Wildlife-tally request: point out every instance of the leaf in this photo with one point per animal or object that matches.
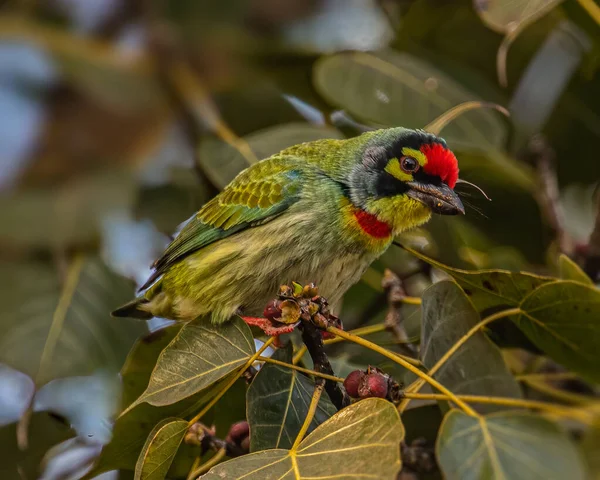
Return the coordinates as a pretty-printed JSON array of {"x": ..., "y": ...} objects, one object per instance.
[
  {"x": 436, "y": 126},
  {"x": 222, "y": 162},
  {"x": 590, "y": 446},
  {"x": 569, "y": 270},
  {"x": 563, "y": 319},
  {"x": 277, "y": 404},
  {"x": 507, "y": 445},
  {"x": 490, "y": 288},
  {"x": 391, "y": 88},
  {"x": 45, "y": 432},
  {"x": 160, "y": 449},
  {"x": 503, "y": 16},
  {"x": 345, "y": 446},
  {"x": 68, "y": 214},
  {"x": 201, "y": 354},
  {"x": 131, "y": 429},
  {"x": 125, "y": 82},
  {"x": 477, "y": 368},
  {"x": 52, "y": 331}
]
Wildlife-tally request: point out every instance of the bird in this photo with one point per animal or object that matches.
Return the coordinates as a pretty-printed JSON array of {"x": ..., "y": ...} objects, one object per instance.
[{"x": 317, "y": 213}]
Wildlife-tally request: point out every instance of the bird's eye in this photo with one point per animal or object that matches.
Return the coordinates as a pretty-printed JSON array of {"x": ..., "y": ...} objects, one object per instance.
[{"x": 409, "y": 164}]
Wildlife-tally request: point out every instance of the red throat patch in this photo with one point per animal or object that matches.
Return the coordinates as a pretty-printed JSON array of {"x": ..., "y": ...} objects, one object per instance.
[
  {"x": 371, "y": 225},
  {"x": 441, "y": 162}
]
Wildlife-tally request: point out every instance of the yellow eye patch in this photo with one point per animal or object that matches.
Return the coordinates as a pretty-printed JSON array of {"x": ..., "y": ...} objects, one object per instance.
[
  {"x": 393, "y": 166},
  {"x": 394, "y": 169},
  {"x": 416, "y": 154}
]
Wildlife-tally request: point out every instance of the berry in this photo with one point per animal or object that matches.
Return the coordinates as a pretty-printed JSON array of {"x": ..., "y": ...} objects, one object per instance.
[
  {"x": 245, "y": 445},
  {"x": 352, "y": 382},
  {"x": 273, "y": 310},
  {"x": 238, "y": 432},
  {"x": 374, "y": 384}
]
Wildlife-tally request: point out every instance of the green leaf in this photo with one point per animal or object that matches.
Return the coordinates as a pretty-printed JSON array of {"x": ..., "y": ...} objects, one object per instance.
[
  {"x": 590, "y": 446},
  {"x": 45, "y": 431},
  {"x": 507, "y": 445},
  {"x": 490, "y": 288},
  {"x": 392, "y": 88},
  {"x": 345, "y": 446},
  {"x": 277, "y": 404},
  {"x": 569, "y": 270},
  {"x": 132, "y": 428},
  {"x": 504, "y": 15},
  {"x": 124, "y": 82},
  {"x": 563, "y": 319},
  {"x": 222, "y": 162},
  {"x": 201, "y": 354},
  {"x": 160, "y": 449},
  {"x": 62, "y": 215},
  {"x": 51, "y": 330},
  {"x": 477, "y": 368}
]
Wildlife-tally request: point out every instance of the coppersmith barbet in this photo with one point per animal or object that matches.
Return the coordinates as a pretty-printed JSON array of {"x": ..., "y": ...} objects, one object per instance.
[{"x": 317, "y": 212}]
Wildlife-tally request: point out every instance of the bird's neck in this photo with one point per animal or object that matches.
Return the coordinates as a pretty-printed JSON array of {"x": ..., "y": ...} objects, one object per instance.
[
  {"x": 371, "y": 225},
  {"x": 363, "y": 228}
]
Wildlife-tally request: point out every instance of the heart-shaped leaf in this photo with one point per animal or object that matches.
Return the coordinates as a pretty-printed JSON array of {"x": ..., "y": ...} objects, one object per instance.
[
  {"x": 277, "y": 404},
  {"x": 131, "y": 429},
  {"x": 569, "y": 270},
  {"x": 201, "y": 354},
  {"x": 507, "y": 445},
  {"x": 503, "y": 16},
  {"x": 563, "y": 319},
  {"x": 477, "y": 367},
  {"x": 490, "y": 288},
  {"x": 160, "y": 449},
  {"x": 391, "y": 89},
  {"x": 345, "y": 446},
  {"x": 52, "y": 330},
  {"x": 222, "y": 162}
]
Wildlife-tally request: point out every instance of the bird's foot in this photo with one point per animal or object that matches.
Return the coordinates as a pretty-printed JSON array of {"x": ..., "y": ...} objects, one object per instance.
[{"x": 270, "y": 328}]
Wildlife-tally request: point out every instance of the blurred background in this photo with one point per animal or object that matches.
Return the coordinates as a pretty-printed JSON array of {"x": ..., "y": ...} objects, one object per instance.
[{"x": 120, "y": 118}]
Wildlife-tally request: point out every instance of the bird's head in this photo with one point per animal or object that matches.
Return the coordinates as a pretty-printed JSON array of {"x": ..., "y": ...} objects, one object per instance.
[{"x": 402, "y": 176}]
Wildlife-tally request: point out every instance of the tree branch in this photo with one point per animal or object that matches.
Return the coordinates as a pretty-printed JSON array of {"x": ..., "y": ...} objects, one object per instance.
[{"x": 313, "y": 340}]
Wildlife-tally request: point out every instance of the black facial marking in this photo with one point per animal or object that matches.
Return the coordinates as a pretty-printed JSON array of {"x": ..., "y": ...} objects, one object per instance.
[{"x": 376, "y": 158}]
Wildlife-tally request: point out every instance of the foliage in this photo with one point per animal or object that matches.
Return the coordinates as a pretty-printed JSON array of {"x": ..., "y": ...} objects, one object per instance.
[{"x": 121, "y": 122}]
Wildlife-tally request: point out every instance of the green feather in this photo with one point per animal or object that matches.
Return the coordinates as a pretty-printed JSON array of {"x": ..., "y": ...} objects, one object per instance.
[{"x": 256, "y": 195}]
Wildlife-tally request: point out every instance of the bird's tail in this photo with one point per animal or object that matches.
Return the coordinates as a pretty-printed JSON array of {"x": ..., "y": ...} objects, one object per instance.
[{"x": 133, "y": 309}]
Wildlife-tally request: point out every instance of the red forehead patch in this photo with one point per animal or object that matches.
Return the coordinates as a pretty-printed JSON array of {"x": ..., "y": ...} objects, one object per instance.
[{"x": 441, "y": 162}]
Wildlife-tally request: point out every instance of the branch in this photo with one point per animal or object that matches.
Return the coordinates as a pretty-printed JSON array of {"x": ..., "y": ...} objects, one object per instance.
[
  {"x": 313, "y": 340},
  {"x": 395, "y": 292},
  {"x": 591, "y": 265},
  {"x": 543, "y": 157}
]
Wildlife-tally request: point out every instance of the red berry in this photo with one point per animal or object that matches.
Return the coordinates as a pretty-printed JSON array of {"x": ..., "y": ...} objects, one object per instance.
[
  {"x": 373, "y": 385},
  {"x": 238, "y": 432},
  {"x": 245, "y": 445},
  {"x": 353, "y": 381},
  {"x": 273, "y": 310}
]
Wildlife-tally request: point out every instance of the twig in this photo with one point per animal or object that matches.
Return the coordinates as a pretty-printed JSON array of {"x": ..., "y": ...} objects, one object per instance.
[
  {"x": 205, "y": 467},
  {"x": 578, "y": 414},
  {"x": 543, "y": 157},
  {"x": 400, "y": 361},
  {"x": 395, "y": 292},
  {"x": 591, "y": 265},
  {"x": 359, "y": 332},
  {"x": 313, "y": 340},
  {"x": 333, "y": 378}
]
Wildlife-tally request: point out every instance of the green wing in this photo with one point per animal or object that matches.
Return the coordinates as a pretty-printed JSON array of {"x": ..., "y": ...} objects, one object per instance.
[{"x": 255, "y": 196}]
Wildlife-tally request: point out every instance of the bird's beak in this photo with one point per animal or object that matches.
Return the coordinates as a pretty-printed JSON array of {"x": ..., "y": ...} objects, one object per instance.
[{"x": 441, "y": 199}]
